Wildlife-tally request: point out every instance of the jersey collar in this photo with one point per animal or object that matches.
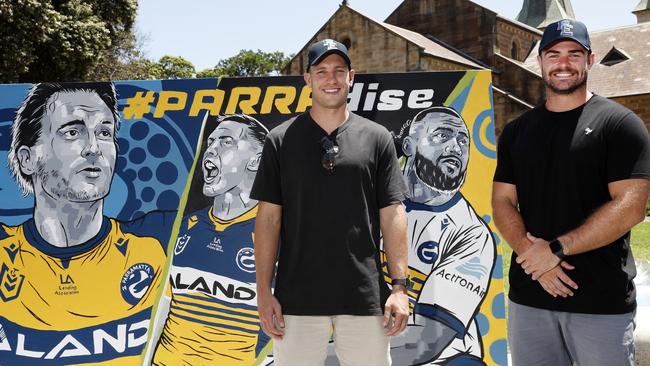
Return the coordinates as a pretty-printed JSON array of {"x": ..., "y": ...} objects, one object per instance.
[
  {"x": 35, "y": 239},
  {"x": 410, "y": 205}
]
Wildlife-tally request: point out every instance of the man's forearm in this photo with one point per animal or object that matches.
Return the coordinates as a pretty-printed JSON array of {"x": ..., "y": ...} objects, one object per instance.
[
  {"x": 393, "y": 229},
  {"x": 266, "y": 242},
  {"x": 265, "y": 266},
  {"x": 392, "y": 221},
  {"x": 609, "y": 222},
  {"x": 510, "y": 224}
]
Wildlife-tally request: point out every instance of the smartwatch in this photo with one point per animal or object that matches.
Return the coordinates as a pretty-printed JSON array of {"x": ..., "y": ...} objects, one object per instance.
[
  {"x": 556, "y": 248},
  {"x": 406, "y": 282}
]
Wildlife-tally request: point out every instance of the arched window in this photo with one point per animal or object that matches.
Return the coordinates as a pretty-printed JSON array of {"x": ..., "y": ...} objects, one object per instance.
[
  {"x": 347, "y": 42},
  {"x": 514, "y": 51}
]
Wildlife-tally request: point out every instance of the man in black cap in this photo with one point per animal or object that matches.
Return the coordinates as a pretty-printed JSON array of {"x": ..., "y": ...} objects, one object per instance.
[
  {"x": 328, "y": 183},
  {"x": 572, "y": 179}
]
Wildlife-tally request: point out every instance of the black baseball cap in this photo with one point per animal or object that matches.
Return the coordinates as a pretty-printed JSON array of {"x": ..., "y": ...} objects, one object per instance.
[
  {"x": 321, "y": 49},
  {"x": 565, "y": 29}
]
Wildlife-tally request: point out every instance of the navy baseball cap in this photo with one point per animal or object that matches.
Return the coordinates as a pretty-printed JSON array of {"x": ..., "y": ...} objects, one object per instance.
[
  {"x": 321, "y": 49},
  {"x": 565, "y": 29}
]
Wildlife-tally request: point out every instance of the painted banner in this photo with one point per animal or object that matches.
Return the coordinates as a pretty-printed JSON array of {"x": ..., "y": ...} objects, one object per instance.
[
  {"x": 90, "y": 189},
  {"x": 127, "y": 224}
]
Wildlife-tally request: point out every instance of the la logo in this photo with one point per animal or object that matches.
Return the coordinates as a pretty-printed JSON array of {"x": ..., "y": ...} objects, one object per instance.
[{"x": 67, "y": 280}]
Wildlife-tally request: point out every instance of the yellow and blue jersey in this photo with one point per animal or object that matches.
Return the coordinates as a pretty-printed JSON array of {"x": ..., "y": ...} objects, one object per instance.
[
  {"x": 213, "y": 315},
  {"x": 85, "y": 304}
]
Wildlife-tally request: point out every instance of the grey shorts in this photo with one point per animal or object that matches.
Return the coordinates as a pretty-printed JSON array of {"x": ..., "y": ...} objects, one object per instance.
[{"x": 540, "y": 337}]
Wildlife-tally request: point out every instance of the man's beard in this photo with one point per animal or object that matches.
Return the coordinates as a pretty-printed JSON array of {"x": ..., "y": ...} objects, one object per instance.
[
  {"x": 60, "y": 186},
  {"x": 434, "y": 177},
  {"x": 579, "y": 83}
]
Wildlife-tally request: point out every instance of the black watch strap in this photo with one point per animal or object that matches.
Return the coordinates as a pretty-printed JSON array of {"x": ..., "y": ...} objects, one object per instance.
[
  {"x": 401, "y": 281},
  {"x": 557, "y": 249}
]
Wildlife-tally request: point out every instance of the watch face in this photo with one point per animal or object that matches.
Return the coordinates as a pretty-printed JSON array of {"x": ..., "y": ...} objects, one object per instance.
[{"x": 556, "y": 248}]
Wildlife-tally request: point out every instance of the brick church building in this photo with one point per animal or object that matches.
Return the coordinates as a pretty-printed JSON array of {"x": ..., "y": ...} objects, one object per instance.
[{"x": 436, "y": 35}]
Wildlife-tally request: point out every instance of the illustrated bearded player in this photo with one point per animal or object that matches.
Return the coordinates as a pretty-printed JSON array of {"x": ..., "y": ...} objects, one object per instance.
[
  {"x": 212, "y": 297},
  {"x": 77, "y": 286},
  {"x": 451, "y": 252}
]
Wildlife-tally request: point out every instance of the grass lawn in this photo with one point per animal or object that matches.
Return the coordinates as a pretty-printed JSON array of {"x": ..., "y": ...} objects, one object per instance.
[
  {"x": 640, "y": 248},
  {"x": 641, "y": 241}
]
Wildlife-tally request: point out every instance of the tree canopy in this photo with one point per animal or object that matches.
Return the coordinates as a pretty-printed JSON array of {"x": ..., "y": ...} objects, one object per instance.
[
  {"x": 61, "y": 40},
  {"x": 249, "y": 63},
  {"x": 172, "y": 67},
  {"x": 73, "y": 40}
]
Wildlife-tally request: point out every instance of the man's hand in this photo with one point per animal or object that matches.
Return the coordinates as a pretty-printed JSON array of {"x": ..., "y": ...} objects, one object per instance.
[
  {"x": 396, "y": 311},
  {"x": 270, "y": 315},
  {"x": 537, "y": 259},
  {"x": 556, "y": 282}
]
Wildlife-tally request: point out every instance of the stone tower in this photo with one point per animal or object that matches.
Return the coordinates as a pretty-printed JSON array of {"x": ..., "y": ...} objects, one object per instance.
[
  {"x": 642, "y": 12},
  {"x": 540, "y": 13}
]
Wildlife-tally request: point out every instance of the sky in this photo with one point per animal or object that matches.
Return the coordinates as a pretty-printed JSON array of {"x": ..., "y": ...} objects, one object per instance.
[{"x": 206, "y": 31}]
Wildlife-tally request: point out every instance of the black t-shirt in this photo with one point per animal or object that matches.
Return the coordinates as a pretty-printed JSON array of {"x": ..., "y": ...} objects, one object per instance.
[
  {"x": 329, "y": 253},
  {"x": 561, "y": 164}
]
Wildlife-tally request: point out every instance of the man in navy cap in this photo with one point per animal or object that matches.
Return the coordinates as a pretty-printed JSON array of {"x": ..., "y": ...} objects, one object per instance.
[
  {"x": 328, "y": 183},
  {"x": 572, "y": 179}
]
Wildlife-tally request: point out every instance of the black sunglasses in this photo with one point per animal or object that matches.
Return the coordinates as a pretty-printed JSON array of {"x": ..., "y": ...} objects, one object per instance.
[{"x": 329, "y": 158}]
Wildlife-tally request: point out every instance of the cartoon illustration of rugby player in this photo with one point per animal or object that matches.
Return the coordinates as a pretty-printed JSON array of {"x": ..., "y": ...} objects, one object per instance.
[
  {"x": 77, "y": 286},
  {"x": 451, "y": 252},
  {"x": 210, "y": 308}
]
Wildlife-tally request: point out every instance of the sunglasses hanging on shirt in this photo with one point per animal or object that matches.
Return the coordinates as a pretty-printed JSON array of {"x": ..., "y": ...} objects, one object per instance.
[{"x": 329, "y": 157}]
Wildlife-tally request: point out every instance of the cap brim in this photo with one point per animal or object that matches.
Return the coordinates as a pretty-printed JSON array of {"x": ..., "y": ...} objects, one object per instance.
[
  {"x": 329, "y": 52},
  {"x": 550, "y": 44}
]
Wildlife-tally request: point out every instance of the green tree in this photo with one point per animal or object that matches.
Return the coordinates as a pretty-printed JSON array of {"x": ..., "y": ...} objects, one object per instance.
[
  {"x": 125, "y": 61},
  {"x": 249, "y": 63},
  {"x": 208, "y": 73},
  {"x": 60, "y": 40},
  {"x": 172, "y": 67}
]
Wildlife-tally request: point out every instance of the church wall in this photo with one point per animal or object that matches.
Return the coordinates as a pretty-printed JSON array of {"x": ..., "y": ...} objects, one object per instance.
[
  {"x": 373, "y": 48},
  {"x": 508, "y": 33},
  {"x": 505, "y": 110},
  {"x": 640, "y": 104},
  {"x": 518, "y": 81},
  {"x": 463, "y": 24},
  {"x": 430, "y": 63}
]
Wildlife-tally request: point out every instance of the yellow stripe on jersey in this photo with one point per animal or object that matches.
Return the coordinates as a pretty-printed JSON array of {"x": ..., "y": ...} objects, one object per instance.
[
  {"x": 221, "y": 225},
  {"x": 210, "y": 314},
  {"x": 196, "y": 316},
  {"x": 199, "y": 331},
  {"x": 209, "y": 302}
]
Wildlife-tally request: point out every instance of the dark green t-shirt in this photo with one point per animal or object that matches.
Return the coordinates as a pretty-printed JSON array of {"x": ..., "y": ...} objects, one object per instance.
[{"x": 328, "y": 261}]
